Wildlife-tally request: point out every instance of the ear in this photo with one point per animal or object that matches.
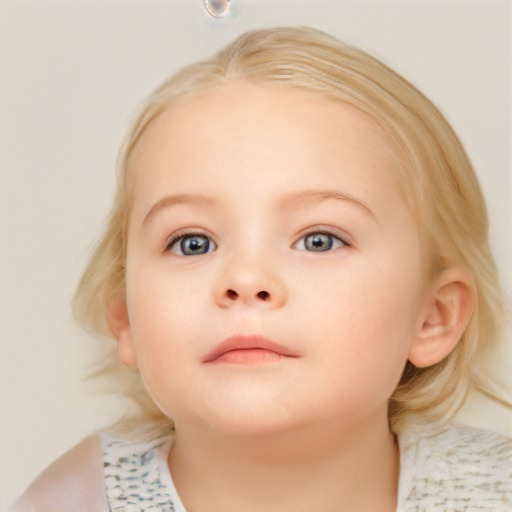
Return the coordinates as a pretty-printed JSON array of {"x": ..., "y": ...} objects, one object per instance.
[
  {"x": 119, "y": 324},
  {"x": 447, "y": 310}
]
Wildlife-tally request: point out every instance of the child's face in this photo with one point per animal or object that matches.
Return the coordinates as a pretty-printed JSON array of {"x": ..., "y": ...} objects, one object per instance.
[{"x": 272, "y": 219}]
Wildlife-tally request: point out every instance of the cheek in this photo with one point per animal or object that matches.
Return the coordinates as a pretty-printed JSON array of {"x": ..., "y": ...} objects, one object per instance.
[
  {"x": 363, "y": 296},
  {"x": 161, "y": 341},
  {"x": 367, "y": 318},
  {"x": 153, "y": 309},
  {"x": 155, "y": 299}
]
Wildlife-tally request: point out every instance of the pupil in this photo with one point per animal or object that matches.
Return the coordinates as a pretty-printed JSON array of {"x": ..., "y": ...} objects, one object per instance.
[
  {"x": 319, "y": 242},
  {"x": 194, "y": 245}
]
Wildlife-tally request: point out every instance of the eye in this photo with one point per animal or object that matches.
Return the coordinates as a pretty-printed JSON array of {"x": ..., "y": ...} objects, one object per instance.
[
  {"x": 319, "y": 242},
  {"x": 191, "y": 245}
]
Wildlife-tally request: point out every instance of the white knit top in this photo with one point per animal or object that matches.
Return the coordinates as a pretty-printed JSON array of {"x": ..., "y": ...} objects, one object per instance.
[{"x": 453, "y": 469}]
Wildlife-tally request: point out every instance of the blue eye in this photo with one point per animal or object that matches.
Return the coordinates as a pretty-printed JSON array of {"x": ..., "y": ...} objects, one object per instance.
[
  {"x": 319, "y": 242},
  {"x": 191, "y": 245}
]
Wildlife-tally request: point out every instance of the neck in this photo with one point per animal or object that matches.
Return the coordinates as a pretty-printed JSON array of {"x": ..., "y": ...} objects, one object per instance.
[{"x": 317, "y": 468}]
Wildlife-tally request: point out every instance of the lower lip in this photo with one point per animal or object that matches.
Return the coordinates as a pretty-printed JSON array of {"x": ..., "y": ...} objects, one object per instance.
[{"x": 249, "y": 356}]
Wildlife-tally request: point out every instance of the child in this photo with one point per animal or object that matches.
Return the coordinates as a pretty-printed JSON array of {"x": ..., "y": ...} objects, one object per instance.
[{"x": 296, "y": 272}]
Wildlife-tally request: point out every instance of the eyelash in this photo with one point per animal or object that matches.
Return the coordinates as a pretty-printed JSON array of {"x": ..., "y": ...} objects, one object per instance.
[
  {"x": 180, "y": 236},
  {"x": 333, "y": 234}
]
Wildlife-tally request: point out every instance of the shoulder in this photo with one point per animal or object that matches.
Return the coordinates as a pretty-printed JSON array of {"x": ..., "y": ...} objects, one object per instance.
[
  {"x": 136, "y": 470},
  {"x": 469, "y": 449},
  {"x": 72, "y": 483},
  {"x": 458, "y": 464}
]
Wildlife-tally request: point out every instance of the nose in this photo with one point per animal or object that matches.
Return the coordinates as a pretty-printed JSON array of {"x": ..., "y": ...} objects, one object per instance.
[{"x": 251, "y": 284}]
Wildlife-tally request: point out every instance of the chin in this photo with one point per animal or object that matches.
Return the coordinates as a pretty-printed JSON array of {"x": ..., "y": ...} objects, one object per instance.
[
  {"x": 251, "y": 421},
  {"x": 252, "y": 430}
]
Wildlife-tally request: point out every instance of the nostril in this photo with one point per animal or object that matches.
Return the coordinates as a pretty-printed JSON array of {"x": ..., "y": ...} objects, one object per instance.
[
  {"x": 232, "y": 294},
  {"x": 263, "y": 295}
]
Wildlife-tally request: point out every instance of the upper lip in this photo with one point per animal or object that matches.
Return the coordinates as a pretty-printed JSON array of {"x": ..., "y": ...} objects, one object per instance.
[{"x": 245, "y": 342}]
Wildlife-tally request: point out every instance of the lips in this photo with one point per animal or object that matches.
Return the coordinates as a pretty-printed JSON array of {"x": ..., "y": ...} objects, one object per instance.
[{"x": 248, "y": 350}]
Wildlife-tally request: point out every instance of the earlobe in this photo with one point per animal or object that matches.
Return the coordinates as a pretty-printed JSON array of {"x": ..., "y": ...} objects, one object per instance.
[
  {"x": 448, "y": 309},
  {"x": 119, "y": 325}
]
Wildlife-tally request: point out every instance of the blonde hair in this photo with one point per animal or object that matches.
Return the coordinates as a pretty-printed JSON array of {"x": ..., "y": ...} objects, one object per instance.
[{"x": 437, "y": 178}]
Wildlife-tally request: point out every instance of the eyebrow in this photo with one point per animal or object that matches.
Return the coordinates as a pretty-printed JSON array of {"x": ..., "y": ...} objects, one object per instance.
[
  {"x": 289, "y": 201},
  {"x": 175, "y": 200},
  {"x": 297, "y": 199}
]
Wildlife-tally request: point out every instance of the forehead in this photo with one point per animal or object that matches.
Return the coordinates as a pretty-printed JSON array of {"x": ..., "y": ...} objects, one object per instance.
[{"x": 243, "y": 123}]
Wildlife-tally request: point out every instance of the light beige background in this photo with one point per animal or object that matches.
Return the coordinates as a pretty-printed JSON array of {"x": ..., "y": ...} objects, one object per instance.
[{"x": 72, "y": 72}]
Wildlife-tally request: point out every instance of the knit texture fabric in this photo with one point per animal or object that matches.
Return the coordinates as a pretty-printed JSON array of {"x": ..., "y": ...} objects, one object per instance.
[{"x": 453, "y": 469}]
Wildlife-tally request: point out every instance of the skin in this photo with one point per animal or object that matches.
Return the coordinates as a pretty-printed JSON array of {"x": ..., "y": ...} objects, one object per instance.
[{"x": 242, "y": 169}]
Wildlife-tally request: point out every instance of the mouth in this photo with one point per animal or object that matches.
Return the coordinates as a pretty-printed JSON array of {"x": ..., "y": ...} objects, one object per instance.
[{"x": 248, "y": 350}]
